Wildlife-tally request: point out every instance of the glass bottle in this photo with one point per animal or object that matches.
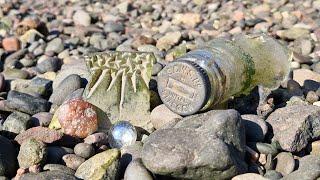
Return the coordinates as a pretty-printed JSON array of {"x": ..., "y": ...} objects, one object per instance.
[{"x": 210, "y": 75}]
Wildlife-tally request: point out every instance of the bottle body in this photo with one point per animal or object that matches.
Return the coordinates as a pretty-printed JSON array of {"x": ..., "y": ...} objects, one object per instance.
[{"x": 210, "y": 75}]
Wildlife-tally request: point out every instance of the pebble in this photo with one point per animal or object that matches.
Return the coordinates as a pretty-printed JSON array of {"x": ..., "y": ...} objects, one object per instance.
[
  {"x": 161, "y": 115},
  {"x": 10, "y": 74},
  {"x": 285, "y": 163},
  {"x": 55, "y": 154},
  {"x": 48, "y": 175},
  {"x": 8, "y": 158},
  {"x": 249, "y": 176},
  {"x": 78, "y": 118},
  {"x": 39, "y": 133},
  {"x": 32, "y": 152},
  {"x": 41, "y": 119},
  {"x": 112, "y": 26},
  {"x": 56, "y": 45},
  {"x": 51, "y": 64},
  {"x": 73, "y": 161},
  {"x": 168, "y": 40},
  {"x": 82, "y": 18},
  {"x": 293, "y": 33},
  {"x": 256, "y": 128},
  {"x": 17, "y": 122},
  {"x": 96, "y": 138},
  {"x": 84, "y": 150},
  {"x": 58, "y": 167},
  {"x": 27, "y": 103},
  {"x": 65, "y": 88},
  {"x": 191, "y": 20},
  {"x": 102, "y": 165},
  {"x": 263, "y": 148},
  {"x": 302, "y": 75},
  {"x": 136, "y": 170},
  {"x": 11, "y": 44},
  {"x": 273, "y": 175}
]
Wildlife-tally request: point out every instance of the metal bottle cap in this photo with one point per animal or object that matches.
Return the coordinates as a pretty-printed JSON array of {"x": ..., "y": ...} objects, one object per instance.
[{"x": 184, "y": 87}]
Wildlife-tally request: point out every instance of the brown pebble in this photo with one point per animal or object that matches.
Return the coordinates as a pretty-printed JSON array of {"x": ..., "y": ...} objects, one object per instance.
[{"x": 11, "y": 44}]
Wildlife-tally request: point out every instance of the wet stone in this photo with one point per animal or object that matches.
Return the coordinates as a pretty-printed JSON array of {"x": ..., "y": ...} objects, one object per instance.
[{"x": 27, "y": 103}]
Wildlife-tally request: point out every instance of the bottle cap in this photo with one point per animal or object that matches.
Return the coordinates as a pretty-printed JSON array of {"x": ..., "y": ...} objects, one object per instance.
[{"x": 184, "y": 87}]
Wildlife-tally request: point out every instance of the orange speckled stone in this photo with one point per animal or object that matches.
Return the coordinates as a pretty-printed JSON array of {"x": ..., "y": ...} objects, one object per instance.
[{"x": 78, "y": 118}]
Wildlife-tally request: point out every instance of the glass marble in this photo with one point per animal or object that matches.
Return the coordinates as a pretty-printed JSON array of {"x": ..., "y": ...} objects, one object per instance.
[{"x": 122, "y": 134}]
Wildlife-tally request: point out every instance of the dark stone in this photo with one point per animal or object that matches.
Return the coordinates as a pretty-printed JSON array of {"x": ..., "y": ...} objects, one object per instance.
[
  {"x": 59, "y": 167},
  {"x": 27, "y": 103},
  {"x": 8, "y": 158},
  {"x": 50, "y": 64},
  {"x": 48, "y": 175}
]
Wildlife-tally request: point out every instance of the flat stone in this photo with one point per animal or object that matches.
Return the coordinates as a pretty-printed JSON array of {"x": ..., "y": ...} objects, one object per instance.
[
  {"x": 100, "y": 166},
  {"x": 198, "y": 147},
  {"x": 39, "y": 133},
  {"x": 27, "y": 103},
  {"x": 249, "y": 176},
  {"x": 58, "y": 167},
  {"x": 17, "y": 122},
  {"x": 294, "y": 126},
  {"x": 285, "y": 163},
  {"x": 35, "y": 86},
  {"x": 32, "y": 152},
  {"x": 136, "y": 170},
  {"x": 10, "y": 74},
  {"x": 304, "y": 75},
  {"x": 48, "y": 175},
  {"x": 161, "y": 115},
  {"x": 256, "y": 127},
  {"x": 8, "y": 159}
]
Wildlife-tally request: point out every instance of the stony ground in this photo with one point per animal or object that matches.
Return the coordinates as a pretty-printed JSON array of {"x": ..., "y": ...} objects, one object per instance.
[{"x": 42, "y": 64}]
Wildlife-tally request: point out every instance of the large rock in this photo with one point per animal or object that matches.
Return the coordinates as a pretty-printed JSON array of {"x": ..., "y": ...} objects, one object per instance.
[
  {"x": 8, "y": 160},
  {"x": 203, "y": 146},
  {"x": 101, "y": 166},
  {"x": 294, "y": 126}
]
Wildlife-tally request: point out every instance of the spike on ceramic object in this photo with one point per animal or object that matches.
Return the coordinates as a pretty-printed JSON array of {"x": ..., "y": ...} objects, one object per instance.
[{"x": 119, "y": 85}]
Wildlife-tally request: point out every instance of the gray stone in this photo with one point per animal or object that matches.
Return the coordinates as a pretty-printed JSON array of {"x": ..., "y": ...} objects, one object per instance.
[
  {"x": 65, "y": 88},
  {"x": 128, "y": 154},
  {"x": 82, "y": 18},
  {"x": 285, "y": 163},
  {"x": 35, "y": 86},
  {"x": 55, "y": 154},
  {"x": 27, "y": 103},
  {"x": 100, "y": 166},
  {"x": 84, "y": 150},
  {"x": 273, "y": 175},
  {"x": 56, "y": 45},
  {"x": 32, "y": 152},
  {"x": 136, "y": 170},
  {"x": 249, "y": 176},
  {"x": 41, "y": 119},
  {"x": 10, "y": 74},
  {"x": 161, "y": 115},
  {"x": 78, "y": 68},
  {"x": 256, "y": 127},
  {"x": 58, "y": 167},
  {"x": 17, "y": 122},
  {"x": 52, "y": 64},
  {"x": 73, "y": 161},
  {"x": 112, "y": 26},
  {"x": 263, "y": 148},
  {"x": 48, "y": 175},
  {"x": 294, "y": 126},
  {"x": 202, "y": 146},
  {"x": 75, "y": 94},
  {"x": 309, "y": 169},
  {"x": 8, "y": 159}
]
